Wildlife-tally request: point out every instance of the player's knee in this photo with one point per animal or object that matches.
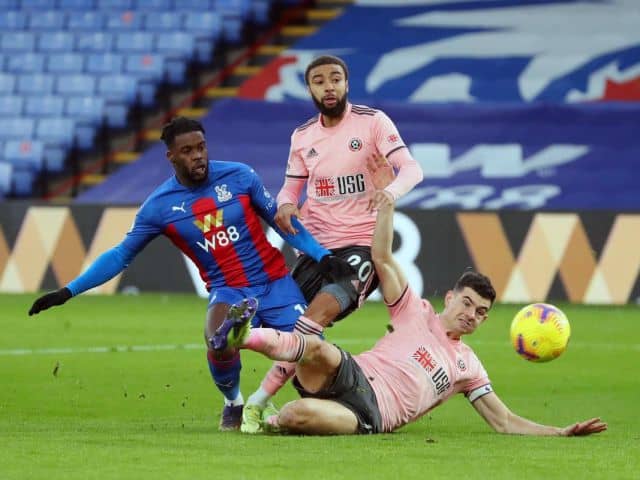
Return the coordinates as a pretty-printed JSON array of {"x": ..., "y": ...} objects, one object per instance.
[{"x": 295, "y": 416}]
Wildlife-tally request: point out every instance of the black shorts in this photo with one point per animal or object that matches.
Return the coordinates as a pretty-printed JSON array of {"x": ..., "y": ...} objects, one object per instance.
[
  {"x": 351, "y": 389},
  {"x": 306, "y": 274}
]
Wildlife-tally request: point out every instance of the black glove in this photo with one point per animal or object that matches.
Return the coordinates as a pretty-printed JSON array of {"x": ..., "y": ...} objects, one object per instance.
[
  {"x": 334, "y": 269},
  {"x": 49, "y": 300}
]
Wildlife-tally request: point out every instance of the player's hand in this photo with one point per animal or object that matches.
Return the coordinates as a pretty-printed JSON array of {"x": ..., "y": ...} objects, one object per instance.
[
  {"x": 588, "y": 427},
  {"x": 380, "y": 199},
  {"x": 381, "y": 171},
  {"x": 334, "y": 268},
  {"x": 283, "y": 218},
  {"x": 49, "y": 300}
]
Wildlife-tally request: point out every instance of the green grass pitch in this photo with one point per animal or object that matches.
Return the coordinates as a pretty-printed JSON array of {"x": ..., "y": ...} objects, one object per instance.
[{"x": 118, "y": 387}]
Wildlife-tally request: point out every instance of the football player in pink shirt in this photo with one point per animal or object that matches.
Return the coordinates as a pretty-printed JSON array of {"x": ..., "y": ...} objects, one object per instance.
[
  {"x": 419, "y": 364},
  {"x": 329, "y": 155}
]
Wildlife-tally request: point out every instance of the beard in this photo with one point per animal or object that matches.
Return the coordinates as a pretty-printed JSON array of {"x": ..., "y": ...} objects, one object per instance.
[{"x": 332, "y": 112}]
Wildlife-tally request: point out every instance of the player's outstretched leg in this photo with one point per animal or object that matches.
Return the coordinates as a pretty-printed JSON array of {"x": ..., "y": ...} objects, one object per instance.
[{"x": 236, "y": 326}]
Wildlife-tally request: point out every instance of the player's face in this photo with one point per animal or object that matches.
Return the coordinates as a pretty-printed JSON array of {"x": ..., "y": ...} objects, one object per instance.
[
  {"x": 328, "y": 88},
  {"x": 464, "y": 311},
  {"x": 189, "y": 157}
]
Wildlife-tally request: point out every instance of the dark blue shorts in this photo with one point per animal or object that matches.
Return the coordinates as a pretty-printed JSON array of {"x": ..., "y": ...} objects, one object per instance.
[{"x": 280, "y": 303}]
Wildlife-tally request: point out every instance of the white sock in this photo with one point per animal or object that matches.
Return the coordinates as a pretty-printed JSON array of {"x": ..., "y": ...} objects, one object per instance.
[
  {"x": 260, "y": 397},
  {"x": 239, "y": 400}
]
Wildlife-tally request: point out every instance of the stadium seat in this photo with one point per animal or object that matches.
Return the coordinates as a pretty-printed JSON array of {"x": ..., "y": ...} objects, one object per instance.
[
  {"x": 61, "y": 63},
  {"x": 16, "y": 128},
  {"x": 55, "y": 42},
  {"x": 38, "y": 4},
  {"x": 160, "y": 21},
  {"x": 58, "y": 137},
  {"x": 175, "y": 45},
  {"x": 2, "y": 62},
  {"x": 6, "y": 171},
  {"x": 88, "y": 21},
  {"x": 75, "y": 84},
  {"x": 46, "y": 21},
  {"x": 25, "y": 154},
  {"x": 115, "y": 4},
  {"x": 118, "y": 88},
  {"x": 123, "y": 21},
  {"x": 201, "y": 5},
  {"x": 8, "y": 5},
  {"x": 207, "y": 29},
  {"x": 104, "y": 63},
  {"x": 26, "y": 63},
  {"x": 94, "y": 42},
  {"x": 17, "y": 42},
  {"x": 261, "y": 11},
  {"x": 149, "y": 70},
  {"x": 134, "y": 42},
  {"x": 7, "y": 83},
  {"x": 44, "y": 106},
  {"x": 12, "y": 20},
  {"x": 35, "y": 84},
  {"x": 76, "y": 5},
  {"x": 11, "y": 106},
  {"x": 88, "y": 113},
  {"x": 152, "y": 5}
]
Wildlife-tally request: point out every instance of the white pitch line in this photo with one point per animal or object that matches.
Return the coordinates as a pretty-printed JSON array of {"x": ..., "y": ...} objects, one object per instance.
[{"x": 200, "y": 346}]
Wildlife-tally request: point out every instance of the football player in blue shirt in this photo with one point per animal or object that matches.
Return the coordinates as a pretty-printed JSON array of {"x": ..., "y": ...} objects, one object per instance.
[{"x": 211, "y": 211}]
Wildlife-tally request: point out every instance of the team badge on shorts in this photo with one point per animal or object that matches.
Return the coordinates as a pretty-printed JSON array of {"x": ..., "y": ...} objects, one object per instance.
[{"x": 355, "y": 144}]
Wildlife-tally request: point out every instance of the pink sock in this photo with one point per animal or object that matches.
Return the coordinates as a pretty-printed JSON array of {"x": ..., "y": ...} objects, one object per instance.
[
  {"x": 280, "y": 372},
  {"x": 275, "y": 344}
]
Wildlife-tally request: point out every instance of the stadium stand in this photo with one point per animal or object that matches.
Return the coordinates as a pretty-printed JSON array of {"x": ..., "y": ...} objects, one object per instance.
[{"x": 70, "y": 69}]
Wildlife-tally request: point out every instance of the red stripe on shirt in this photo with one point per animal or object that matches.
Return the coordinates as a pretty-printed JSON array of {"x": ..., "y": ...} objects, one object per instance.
[
  {"x": 227, "y": 257},
  {"x": 172, "y": 233},
  {"x": 273, "y": 260}
]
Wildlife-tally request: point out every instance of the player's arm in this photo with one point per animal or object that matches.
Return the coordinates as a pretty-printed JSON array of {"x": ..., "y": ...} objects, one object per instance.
[
  {"x": 104, "y": 268},
  {"x": 503, "y": 420},
  {"x": 289, "y": 196},
  {"x": 392, "y": 279},
  {"x": 391, "y": 145}
]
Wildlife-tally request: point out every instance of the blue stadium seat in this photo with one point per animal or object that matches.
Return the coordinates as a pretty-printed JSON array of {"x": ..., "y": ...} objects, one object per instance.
[
  {"x": 203, "y": 5},
  {"x": 26, "y": 63},
  {"x": 58, "y": 137},
  {"x": 160, "y": 21},
  {"x": 11, "y": 105},
  {"x": 56, "y": 42},
  {"x": 38, "y": 4},
  {"x": 104, "y": 63},
  {"x": 134, "y": 42},
  {"x": 7, "y": 83},
  {"x": 46, "y": 21},
  {"x": 207, "y": 29},
  {"x": 6, "y": 173},
  {"x": 12, "y": 20},
  {"x": 115, "y": 4},
  {"x": 152, "y": 5},
  {"x": 86, "y": 21},
  {"x": 175, "y": 45},
  {"x": 94, "y": 42},
  {"x": 123, "y": 21},
  {"x": 16, "y": 42},
  {"x": 35, "y": 84},
  {"x": 232, "y": 8},
  {"x": 9, "y": 4},
  {"x": 24, "y": 153},
  {"x": 260, "y": 11},
  {"x": 88, "y": 113},
  {"x": 76, "y": 84},
  {"x": 149, "y": 70},
  {"x": 44, "y": 106},
  {"x": 16, "y": 128},
  {"x": 118, "y": 88},
  {"x": 2, "y": 62},
  {"x": 76, "y": 5},
  {"x": 65, "y": 63}
]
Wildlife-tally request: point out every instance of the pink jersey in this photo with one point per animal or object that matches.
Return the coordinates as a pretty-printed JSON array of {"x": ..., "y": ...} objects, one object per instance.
[
  {"x": 417, "y": 367},
  {"x": 333, "y": 162}
]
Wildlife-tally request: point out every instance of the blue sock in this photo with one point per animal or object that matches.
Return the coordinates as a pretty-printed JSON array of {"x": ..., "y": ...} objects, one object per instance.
[{"x": 226, "y": 373}]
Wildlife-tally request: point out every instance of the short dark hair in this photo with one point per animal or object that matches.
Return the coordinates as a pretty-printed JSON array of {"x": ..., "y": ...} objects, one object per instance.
[
  {"x": 326, "y": 60},
  {"x": 479, "y": 283},
  {"x": 178, "y": 126}
]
